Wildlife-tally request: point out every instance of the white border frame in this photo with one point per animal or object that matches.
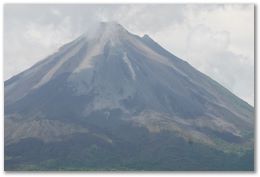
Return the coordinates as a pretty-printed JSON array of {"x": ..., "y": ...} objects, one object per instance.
[{"x": 198, "y": 174}]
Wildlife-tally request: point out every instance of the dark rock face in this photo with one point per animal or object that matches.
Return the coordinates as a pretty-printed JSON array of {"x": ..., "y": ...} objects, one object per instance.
[{"x": 116, "y": 98}]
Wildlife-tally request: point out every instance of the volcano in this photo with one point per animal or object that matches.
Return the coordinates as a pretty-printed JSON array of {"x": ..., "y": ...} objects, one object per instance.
[{"x": 112, "y": 100}]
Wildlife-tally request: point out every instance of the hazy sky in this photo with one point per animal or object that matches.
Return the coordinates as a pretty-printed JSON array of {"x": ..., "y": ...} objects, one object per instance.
[{"x": 216, "y": 39}]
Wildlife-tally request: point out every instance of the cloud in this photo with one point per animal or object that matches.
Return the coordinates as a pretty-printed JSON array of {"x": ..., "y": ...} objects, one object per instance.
[
  {"x": 56, "y": 12},
  {"x": 149, "y": 18},
  {"x": 49, "y": 35},
  {"x": 207, "y": 36}
]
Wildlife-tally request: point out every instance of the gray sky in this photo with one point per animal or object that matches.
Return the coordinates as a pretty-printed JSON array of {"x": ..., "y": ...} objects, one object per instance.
[{"x": 216, "y": 39}]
